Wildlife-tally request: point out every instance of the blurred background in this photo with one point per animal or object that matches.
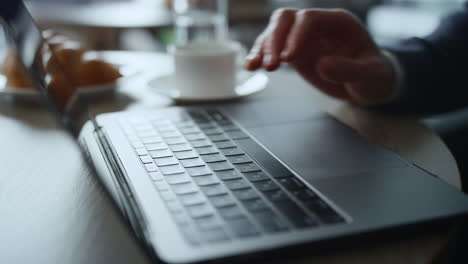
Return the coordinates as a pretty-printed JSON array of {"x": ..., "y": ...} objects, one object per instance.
[{"x": 146, "y": 24}]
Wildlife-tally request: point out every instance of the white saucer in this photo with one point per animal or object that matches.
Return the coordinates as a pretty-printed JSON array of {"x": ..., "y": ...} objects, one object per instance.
[{"x": 248, "y": 84}]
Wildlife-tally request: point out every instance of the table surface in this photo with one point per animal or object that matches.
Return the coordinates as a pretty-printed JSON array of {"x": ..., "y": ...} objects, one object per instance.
[{"x": 53, "y": 211}]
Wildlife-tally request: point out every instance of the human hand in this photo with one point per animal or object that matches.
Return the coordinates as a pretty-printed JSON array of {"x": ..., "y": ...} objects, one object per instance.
[{"x": 330, "y": 49}]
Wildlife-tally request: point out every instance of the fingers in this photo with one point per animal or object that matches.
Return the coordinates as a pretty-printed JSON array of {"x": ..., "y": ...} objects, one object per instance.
[
  {"x": 268, "y": 46},
  {"x": 281, "y": 22},
  {"x": 253, "y": 61}
]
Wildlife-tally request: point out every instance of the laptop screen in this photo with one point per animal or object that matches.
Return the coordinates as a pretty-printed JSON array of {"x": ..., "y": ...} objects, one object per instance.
[{"x": 41, "y": 62}]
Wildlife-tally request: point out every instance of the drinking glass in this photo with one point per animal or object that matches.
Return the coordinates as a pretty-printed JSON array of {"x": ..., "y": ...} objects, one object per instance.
[{"x": 200, "y": 21}]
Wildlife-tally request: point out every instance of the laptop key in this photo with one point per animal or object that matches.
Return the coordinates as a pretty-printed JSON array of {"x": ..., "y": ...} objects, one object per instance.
[
  {"x": 217, "y": 115},
  {"x": 270, "y": 221},
  {"x": 200, "y": 143},
  {"x": 206, "y": 150},
  {"x": 242, "y": 227},
  {"x": 190, "y": 235},
  {"x": 256, "y": 176},
  {"x": 181, "y": 218},
  {"x": 192, "y": 198},
  {"x": 167, "y": 195},
  {"x": 175, "y": 140},
  {"x": 156, "y": 176},
  {"x": 206, "y": 125},
  {"x": 222, "y": 200},
  {"x": 237, "y": 134},
  {"x": 195, "y": 162},
  {"x": 170, "y": 134},
  {"x": 231, "y": 212},
  {"x": 137, "y": 144},
  {"x": 304, "y": 194},
  {"x": 180, "y": 147},
  {"x": 189, "y": 154},
  {"x": 317, "y": 206},
  {"x": 189, "y": 130},
  {"x": 198, "y": 171},
  {"x": 229, "y": 127},
  {"x": 248, "y": 167},
  {"x": 174, "y": 206},
  {"x": 228, "y": 175},
  {"x": 205, "y": 180},
  {"x": 198, "y": 116},
  {"x": 258, "y": 153},
  {"x": 255, "y": 205},
  {"x": 275, "y": 196},
  {"x": 292, "y": 183},
  {"x": 151, "y": 167},
  {"x": 225, "y": 144},
  {"x": 161, "y": 185},
  {"x": 295, "y": 214},
  {"x": 156, "y": 146},
  {"x": 184, "y": 188},
  {"x": 220, "y": 137},
  {"x": 237, "y": 184},
  {"x": 239, "y": 159},
  {"x": 196, "y": 136},
  {"x": 213, "y": 157},
  {"x": 215, "y": 235},
  {"x": 245, "y": 194},
  {"x": 185, "y": 124},
  {"x": 212, "y": 190},
  {"x": 232, "y": 151},
  {"x": 171, "y": 169},
  {"x": 163, "y": 153},
  {"x": 141, "y": 151},
  {"x": 331, "y": 218},
  {"x": 267, "y": 185},
  {"x": 146, "y": 159},
  {"x": 166, "y": 161},
  {"x": 148, "y": 140},
  {"x": 220, "y": 166},
  {"x": 212, "y": 131},
  {"x": 178, "y": 178},
  {"x": 148, "y": 133},
  {"x": 200, "y": 210},
  {"x": 207, "y": 223}
]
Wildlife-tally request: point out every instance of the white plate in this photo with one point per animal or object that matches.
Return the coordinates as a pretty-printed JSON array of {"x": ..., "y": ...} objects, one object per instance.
[
  {"x": 91, "y": 90},
  {"x": 248, "y": 84}
]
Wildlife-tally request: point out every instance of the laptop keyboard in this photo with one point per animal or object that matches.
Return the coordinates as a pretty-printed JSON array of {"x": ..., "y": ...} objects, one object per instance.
[{"x": 218, "y": 183}]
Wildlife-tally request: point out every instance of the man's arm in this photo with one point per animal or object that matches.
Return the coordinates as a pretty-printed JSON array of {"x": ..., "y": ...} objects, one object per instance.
[{"x": 435, "y": 69}]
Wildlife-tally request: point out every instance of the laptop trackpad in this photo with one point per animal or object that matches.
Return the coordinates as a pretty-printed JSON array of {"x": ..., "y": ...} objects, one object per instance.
[{"x": 323, "y": 147}]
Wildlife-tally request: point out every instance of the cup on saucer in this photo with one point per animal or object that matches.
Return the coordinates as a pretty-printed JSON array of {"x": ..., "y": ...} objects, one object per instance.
[
  {"x": 207, "y": 70},
  {"x": 207, "y": 65}
]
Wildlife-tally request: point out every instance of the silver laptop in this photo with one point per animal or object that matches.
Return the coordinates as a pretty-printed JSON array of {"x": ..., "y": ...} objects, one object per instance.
[{"x": 209, "y": 183}]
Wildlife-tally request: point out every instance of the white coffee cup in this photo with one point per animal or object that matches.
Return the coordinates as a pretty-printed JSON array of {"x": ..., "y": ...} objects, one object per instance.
[{"x": 207, "y": 70}]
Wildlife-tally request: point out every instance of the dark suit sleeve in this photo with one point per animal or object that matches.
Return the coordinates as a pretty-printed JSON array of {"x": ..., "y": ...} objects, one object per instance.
[{"x": 435, "y": 69}]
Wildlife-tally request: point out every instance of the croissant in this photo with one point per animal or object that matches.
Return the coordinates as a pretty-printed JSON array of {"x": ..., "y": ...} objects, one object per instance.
[{"x": 68, "y": 60}]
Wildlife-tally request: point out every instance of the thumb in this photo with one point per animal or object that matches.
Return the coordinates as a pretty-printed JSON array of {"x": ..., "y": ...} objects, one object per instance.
[{"x": 346, "y": 70}]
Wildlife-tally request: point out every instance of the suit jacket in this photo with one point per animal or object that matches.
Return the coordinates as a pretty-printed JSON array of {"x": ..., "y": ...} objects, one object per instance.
[{"x": 435, "y": 69}]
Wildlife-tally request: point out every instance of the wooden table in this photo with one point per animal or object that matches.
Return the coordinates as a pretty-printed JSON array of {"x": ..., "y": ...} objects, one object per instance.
[{"x": 53, "y": 211}]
